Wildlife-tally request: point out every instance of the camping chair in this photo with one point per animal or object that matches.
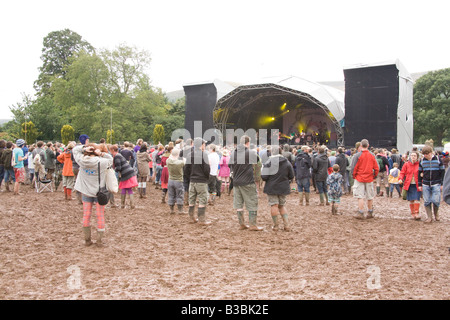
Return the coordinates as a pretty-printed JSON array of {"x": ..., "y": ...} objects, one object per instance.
[{"x": 43, "y": 185}]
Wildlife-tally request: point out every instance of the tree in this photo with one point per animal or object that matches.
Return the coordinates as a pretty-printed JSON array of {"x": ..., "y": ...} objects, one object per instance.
[
  {"x": 83, "y": 94},
  {"x": 21, "y": 112},
  {"x": 67, "y": 134},
  {"x": 59, "y": 48},
  {"x": 432, "y": 107},
  {"x": 30, "y": 132},
  {"x": 110, "y": 137},
  {"x": 48, "y": 117},
  {"x": 126, "y": 67},
  {"x": 158, "y": 134}
]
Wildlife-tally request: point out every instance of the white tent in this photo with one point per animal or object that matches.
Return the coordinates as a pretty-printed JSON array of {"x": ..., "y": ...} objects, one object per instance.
[{"x": 331, "y": 97}]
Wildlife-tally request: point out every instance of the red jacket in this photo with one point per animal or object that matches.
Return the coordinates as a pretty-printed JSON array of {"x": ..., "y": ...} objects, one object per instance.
[
  {"x": 364, "y": 166},
  {"x": 409, "y": 169}
]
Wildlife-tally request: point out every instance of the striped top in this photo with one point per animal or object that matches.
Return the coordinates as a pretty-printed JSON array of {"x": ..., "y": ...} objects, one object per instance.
[
  {"x": 121, "y": 165},
  {"x": 431, "y": 172}
]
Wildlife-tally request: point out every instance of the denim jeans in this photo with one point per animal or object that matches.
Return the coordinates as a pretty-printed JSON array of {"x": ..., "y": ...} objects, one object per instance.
[
  {"x": 396, "y": 186},
  {"x": 303, "y": 185},
  {"x": 159, "y": 170},
  {"x": 322, "y": 186},
  {"x": 9, "y": 173},
  {"x": 2, "y": 174},
  {"x": 431, "y": 194}
]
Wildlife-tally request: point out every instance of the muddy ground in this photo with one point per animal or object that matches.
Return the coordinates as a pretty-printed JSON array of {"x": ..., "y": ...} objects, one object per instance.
[{"x": 150, "y": 254}]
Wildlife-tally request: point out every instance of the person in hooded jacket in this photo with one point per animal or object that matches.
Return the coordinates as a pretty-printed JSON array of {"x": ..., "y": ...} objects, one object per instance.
[
  {"x": 277, "y": 173},
  {"x": 89, "y": 159},
  {"x": 7, "y": 165},
  {"x": 143, "y": 159},
  {"x": 303, "y": 174},
  {"x": 67, "y": 173},
  {"x": 409, "y": 177},
  {"x": 320, "y": 170}
]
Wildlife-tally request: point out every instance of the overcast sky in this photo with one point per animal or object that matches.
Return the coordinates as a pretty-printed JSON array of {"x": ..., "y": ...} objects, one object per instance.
[{"x": 235, "y": 40}]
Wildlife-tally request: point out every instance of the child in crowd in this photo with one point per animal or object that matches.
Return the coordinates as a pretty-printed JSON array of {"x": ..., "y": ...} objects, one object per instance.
[
  {"x": 393, "y": 180},
  {"x": 334, "y": 182}
]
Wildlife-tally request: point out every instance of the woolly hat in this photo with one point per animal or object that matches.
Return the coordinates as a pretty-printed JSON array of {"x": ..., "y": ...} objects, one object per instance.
[
  {"x": 83, "y": 138},
  {"x": 20, "y": 142}
]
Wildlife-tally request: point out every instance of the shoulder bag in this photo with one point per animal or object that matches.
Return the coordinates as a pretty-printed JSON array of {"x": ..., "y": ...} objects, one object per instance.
[{"x": 103, "y": 193}]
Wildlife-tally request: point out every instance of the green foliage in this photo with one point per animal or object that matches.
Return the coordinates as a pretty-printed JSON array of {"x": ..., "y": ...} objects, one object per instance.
[
  {"x": 7, "y": 136},
  {"x": 95, "y": 93},
  {"x": 110, "y": 137},
  {"x": 48, "y": 117},
  {"x": 432, "y": 107},
  {"x": 29, "y": 132},
  {"x": 158, "y": 134},
  {"x": 59, "y": 48},
  {"x": 67, "y": 134}
]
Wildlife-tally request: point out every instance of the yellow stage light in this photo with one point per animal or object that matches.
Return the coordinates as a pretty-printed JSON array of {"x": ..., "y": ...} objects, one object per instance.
[
  {"x": 283, "y": 106},
  {"x": 273, "y": 118}
]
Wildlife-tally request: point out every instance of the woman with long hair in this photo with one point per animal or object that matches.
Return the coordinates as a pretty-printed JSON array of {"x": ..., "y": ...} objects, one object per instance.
[
  {"x": 127, "y": 176},
  {"x": 93, "y": 163},
  {"x": 409, "y": 177}
]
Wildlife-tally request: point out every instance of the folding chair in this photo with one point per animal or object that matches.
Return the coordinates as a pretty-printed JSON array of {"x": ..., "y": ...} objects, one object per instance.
[{"x": 43, "y": 185}]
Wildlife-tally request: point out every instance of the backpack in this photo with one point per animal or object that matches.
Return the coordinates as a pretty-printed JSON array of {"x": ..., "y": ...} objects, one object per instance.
[
  {"x": 380, "y": 163},
  {"x": 158, "y": 158},
  {"x": 394, "y": 173},
  {"x": 37, "y": 159}
]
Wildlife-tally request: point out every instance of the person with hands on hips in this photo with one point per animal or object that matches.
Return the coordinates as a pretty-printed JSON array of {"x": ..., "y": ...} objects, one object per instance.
[{"x": 431, "y": 178}]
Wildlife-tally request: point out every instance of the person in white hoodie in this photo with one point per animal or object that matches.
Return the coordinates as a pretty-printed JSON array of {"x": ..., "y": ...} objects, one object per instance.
[
  {"x": 214, "y": 160},
  {"x": 87, "y": 183}
]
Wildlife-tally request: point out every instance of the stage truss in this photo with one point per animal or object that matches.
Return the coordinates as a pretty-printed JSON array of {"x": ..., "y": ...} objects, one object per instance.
[{"x": 232, "y": 103}]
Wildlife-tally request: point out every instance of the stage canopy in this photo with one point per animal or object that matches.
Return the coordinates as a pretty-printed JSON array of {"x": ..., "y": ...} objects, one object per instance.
[{"x": 281, "y": 102}]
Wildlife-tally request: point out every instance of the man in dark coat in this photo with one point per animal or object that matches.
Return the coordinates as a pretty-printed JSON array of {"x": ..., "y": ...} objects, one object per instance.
[
  {"x": 241, "y": 164},
  {"x": 277, "y": 173},
  {"x": 320, "y": 170},
  {"x": 303, "y": 174},
  {"x": 198, "y": 169},
  {"x": 342, "y": 161}
]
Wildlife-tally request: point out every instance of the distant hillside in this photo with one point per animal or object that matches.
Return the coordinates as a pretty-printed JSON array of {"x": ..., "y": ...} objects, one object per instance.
[
  {"x": 3, "y": 121},
  {"x": 175, "y": 95}
]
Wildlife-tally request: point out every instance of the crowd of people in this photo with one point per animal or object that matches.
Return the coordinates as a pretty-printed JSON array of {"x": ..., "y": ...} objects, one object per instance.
[{"x": 193, "y": 173}]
